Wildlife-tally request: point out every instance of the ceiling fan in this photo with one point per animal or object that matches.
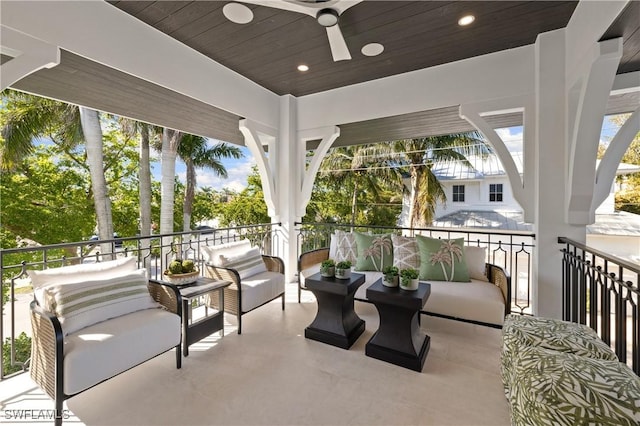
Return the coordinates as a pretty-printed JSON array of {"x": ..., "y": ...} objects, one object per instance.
[{"x": 326, "y": 12}]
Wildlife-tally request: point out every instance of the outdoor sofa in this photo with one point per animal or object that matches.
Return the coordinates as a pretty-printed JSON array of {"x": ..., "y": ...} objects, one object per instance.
[{"x": 483, "y": 298}]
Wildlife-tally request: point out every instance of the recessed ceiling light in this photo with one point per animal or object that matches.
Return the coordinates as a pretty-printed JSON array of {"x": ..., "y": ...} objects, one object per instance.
[
  {"x": 238, "y": 13},
  {"x": 466, "y": 20},
  {"x": 372, "y": 49},
  {"x": 303, "y": 67}
]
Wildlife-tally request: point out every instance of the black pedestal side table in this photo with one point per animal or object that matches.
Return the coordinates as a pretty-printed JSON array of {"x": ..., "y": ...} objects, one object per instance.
[
  {"x": 194, "y": 331},
  {"x": 399, "y": 339},
  {"x": 336, "y": 322}
]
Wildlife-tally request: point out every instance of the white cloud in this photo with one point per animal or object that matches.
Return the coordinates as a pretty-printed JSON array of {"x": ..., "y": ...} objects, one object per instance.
[
  {"x": 513, "y": 141},
  {"x": 236, "y": 181}
]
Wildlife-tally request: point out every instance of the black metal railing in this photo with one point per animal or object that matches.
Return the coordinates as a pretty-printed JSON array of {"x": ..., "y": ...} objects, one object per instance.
[
  {"x": 153, "y": 253},
  {"x": 601, "y": 291},
  {"x": 511, "y": 250}
]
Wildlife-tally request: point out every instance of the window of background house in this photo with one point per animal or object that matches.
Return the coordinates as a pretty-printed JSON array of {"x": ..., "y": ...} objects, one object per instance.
[
  {"x": 495, "y": 192},
  {"x": 458, "y": 193}
]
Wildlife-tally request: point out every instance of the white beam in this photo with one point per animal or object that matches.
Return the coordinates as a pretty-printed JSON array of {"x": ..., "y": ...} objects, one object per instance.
[
  {"x": 496, "y": 75},
  {"x": 103, "y": 33},
  {"x": 589, "y": 21}
]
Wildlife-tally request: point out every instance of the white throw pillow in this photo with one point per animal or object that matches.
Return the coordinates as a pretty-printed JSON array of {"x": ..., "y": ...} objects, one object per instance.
[
  {"x": 211, "y": 254},
  {"x": 476, "y": 258},
  {"x": 79, "y": 273},
  {"x": 81, "y": 304},
  {"x": 247, "y": 264}
]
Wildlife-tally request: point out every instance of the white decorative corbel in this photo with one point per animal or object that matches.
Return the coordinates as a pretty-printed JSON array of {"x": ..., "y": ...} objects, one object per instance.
[
  {"x": 256, "y": 136},
  {"x": 587, "y": 105},
  {"x": 28, "y": 56},
  {"x": 606, "y": 172},
  {"x": 328, "y": 135},
  {"x": 473, "y": 113}
]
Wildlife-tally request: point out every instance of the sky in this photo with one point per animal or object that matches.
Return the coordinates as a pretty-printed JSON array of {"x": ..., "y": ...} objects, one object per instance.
[{"x": 238, "y": 170}]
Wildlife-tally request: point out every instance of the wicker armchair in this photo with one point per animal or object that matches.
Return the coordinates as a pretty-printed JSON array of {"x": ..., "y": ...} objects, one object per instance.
[
  {"x": 237, "y": 300},
  {"x": 48, "y": 350}
]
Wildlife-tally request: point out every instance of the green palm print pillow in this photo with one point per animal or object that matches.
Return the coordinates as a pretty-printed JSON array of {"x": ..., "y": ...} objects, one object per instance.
[
  {"x": 442, "y": 260},
  {"x": 375, "y": 252}
]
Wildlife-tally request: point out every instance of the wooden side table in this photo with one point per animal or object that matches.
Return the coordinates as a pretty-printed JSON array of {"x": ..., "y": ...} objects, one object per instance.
[
  {"x": 399, "y": 339},
  {"x": 194, "y": 331},
  {"x": 336, "y": 322}
]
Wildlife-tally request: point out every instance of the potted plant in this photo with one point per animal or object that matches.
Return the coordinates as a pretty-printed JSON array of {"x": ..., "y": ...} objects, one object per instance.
[
  {"x": 390, "y": 276},
  {"x": 328, "y": 268},
  {"x": 343, "y": 270},
  {"x": 409, "y": 279}
]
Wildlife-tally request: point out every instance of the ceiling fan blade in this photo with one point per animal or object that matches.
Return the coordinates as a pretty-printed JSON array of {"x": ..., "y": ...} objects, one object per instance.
[{"x": 339, "y": 48}]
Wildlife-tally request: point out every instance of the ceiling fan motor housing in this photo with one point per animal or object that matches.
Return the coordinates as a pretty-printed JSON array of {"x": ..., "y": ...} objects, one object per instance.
[{"x": 327, "y": 17}]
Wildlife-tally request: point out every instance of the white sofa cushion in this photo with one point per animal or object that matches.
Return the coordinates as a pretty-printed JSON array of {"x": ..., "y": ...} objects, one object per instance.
[
  {"x": 79, "y": 273},
  {"x": 79, "y": 305},
  {"x": 261, "y": 287},
  {"x": 476, "y": 300},
  {"x": 211, "y": 254},
  {"x": 105, "y": 349},
  {"x": 247, "y": 263}
]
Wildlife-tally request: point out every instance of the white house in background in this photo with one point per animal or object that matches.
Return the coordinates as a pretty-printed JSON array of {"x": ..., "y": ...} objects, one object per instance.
[{"x": 481, "y": 197}]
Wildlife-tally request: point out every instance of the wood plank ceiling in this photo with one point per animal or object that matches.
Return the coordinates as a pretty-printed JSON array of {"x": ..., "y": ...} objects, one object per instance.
[{"x": 415, "y": 34}]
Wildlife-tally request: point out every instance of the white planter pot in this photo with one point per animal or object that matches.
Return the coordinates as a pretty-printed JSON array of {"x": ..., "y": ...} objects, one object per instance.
[
  {"x": 328, "y": 272},
  {"x": 393, "y": 283},
  {"x": 343, "y": 274},
  {"x": 409, "y": 284}
]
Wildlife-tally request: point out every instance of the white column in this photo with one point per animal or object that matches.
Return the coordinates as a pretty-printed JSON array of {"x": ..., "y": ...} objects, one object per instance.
[
  {"x": 287, "y": 177},
  {"x": 551, "y": 162}
]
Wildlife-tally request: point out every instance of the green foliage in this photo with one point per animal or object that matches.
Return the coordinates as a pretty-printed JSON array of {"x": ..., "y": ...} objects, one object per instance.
[
  {"x": 409, "y": 273},
  {"x": 23, "y": 352},
  {"x": 345, "y": 264},
  {"x": 175, "y": 267},
  {"x": 43, "y": 196},
  {"x": 247, "y": 207},
  {"x": 188, "y": 265},
  {"x": 629, "y": 201}
]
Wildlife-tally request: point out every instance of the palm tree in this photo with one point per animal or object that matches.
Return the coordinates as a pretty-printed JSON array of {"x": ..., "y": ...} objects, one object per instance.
[
  {"x": 146, "y": 132},
  {"x": 26, "y": 117},
  {"x": 419, "y": 155},
  {"x": 363, "y": 168},
  {"x": 170, "y": 144},
  {"x": 196, "y": 153}
]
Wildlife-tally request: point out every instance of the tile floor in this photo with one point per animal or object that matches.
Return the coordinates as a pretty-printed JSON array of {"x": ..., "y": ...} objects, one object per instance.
[{"x": 272, "y": 375}]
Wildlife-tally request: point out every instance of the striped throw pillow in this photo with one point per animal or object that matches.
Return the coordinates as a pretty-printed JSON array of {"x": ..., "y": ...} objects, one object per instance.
[
  {"x": 247, "y": 264},
  {"x": 79, "y": 305}
]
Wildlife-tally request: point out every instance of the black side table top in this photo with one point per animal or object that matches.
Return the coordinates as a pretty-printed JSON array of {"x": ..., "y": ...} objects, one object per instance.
[
  {"x": 335, "y": 285},
  {"x": 409, "y": 299}
]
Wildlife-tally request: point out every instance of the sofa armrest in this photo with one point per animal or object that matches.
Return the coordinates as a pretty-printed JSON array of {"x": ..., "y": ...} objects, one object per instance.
[
  {"x": 223, "y": 274},
  {"x": 167, "y": 295},
  {"x": 274, "y": 264},
  {"x": 502, "y": 280},
  {"x": 312, "y": 257},
  {"x": 47, "y": 343}
]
